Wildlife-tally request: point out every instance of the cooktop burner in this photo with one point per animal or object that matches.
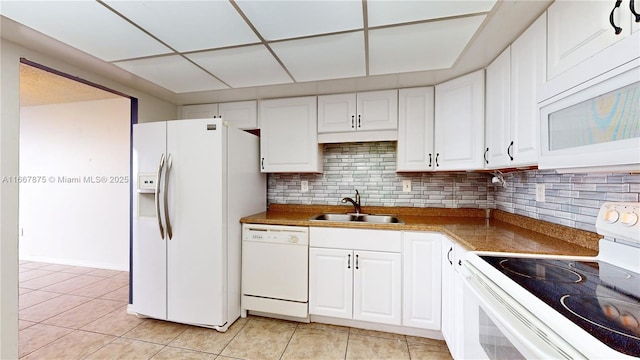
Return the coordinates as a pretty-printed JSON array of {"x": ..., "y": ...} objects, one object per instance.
[
  {"x": 539, "y": 270},
  {"x": 599, "y": 297}
]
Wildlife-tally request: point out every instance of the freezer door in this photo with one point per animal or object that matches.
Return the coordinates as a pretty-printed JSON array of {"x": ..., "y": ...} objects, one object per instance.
[
  {"x": 196, "y": 256},
  {"x": 149, "y": 249}
]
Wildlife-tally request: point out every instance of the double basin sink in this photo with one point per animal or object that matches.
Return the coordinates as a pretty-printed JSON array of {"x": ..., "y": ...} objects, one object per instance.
[{"x": 365, "y": 218}]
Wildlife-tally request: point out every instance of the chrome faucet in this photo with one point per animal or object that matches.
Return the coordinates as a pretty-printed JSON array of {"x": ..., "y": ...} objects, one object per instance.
[{"x": 356, "y": 203}]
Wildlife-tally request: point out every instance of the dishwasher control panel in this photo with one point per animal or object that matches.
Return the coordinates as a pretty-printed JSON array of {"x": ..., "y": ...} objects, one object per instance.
[{"x": 276, "y": 234}]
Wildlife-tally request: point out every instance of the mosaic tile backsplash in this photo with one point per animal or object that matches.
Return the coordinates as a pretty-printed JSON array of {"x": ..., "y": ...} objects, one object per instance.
[{"x": 571, "y": 199}]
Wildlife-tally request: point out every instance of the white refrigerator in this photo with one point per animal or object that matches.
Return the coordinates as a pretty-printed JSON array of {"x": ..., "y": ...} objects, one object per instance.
[{"x": 192, "y": 182}]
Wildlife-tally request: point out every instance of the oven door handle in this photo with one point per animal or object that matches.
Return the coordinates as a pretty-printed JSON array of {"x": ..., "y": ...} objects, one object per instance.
[{"x": 516, "y": 319}]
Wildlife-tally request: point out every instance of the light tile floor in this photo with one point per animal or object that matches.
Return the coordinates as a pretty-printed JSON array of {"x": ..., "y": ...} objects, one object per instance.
[{"x": 70, "y": 312}]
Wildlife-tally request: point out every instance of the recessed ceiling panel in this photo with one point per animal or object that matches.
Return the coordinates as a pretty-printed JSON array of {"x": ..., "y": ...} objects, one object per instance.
[
  {"x": 85, "y": 25},
  {"x": 324, "y": 57},
  {"x": 189, "y": 25},
  {"x": 287, "y": 19},
  {"x": 419, "y": 47},
  {"x": 244, "y": 66},
  {"x": 386, "y": 12},
  {"x": 172, "y": 72}
]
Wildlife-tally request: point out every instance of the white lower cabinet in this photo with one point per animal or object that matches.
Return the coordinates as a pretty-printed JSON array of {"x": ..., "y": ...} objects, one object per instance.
[
  {"x": 452, "y": 305},
  {"x": 353, "y": 283},
  {"x": 421, "y": 268}
]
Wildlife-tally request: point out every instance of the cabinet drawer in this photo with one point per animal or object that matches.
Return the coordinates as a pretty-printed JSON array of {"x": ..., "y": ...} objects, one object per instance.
[{"x": 359, "y": 239}]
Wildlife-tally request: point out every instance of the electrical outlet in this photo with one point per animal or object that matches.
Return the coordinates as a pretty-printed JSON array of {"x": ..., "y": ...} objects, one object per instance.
[
  {"x": 304, "y": 186},
  {"x": 406, "y": 185},
  {"x": 540, "y": 190}
]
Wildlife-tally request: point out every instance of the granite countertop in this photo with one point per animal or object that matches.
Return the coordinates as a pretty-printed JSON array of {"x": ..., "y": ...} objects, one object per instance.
[{"x": 474, "y": 229}]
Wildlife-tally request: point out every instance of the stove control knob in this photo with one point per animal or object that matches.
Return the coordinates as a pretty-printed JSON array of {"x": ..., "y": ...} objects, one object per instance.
[
  {"x": 629, "y": 219},
  {"x": 611, "y": 216}
]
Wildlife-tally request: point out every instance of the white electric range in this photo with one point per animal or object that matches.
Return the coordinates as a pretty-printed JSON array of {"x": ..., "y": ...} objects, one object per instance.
[{"x": 520, "y": 306}]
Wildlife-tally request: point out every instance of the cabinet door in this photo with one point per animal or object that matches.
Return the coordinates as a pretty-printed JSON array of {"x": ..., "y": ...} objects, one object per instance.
[
  {"x": 528, "y": 73},
  {"x": 336, "y": 113},
  {"x": 377, "y": 287},
  {"x": 331, "y": 282},
  {"x": 241, "y": 114},
  {"x": 459, "y": 130},
  {"x": 458, "y": 303},
  {"x": 203, "y": 111},
  {"x": 377, "y": 110},
  {"x": 579, "y": 30},
  {"x": 421, "y": 265},
  {"x": 289, "y": 139},
  {"x": 498, "y": 131},
  {"x": 448, "y": 289},
  {"x": 415, "y": 129}
]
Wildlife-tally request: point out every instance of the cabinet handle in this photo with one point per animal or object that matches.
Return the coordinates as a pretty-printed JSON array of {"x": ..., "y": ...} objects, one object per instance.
[
  {"x": 353, "y": 121},
  {"x": 616, "y": 28},
  {"x": 437, "y": 155},
  {"x": 349, "y": 261},
  {"x": 459, "y": 262},
  {"x": 262, "y": 163},
  {"x": 429, "y": 159},
  {"x": 449, "y": 255},
  {"x": 510, "y": 151},
  {"x": 359, "y": 121},
  {"x": 485, "y": 156},
  {"x": 357, "y": 266},
  {"x": 632, "y": 7}
]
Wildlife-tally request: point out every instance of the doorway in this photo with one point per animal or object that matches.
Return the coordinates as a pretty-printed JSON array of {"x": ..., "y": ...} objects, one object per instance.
[{"x": 74, "y": 176}]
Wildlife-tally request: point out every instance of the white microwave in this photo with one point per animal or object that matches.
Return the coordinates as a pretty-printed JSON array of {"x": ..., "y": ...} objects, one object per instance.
[{"x": 594, "y": 126}]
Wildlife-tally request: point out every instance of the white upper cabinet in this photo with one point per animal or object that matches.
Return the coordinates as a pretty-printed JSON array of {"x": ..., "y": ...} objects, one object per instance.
[
  {"x": 241, "y": 114},
  {"x": 512, "y": 134},
  {"x": 459, "y": 123},
  {"x": 415, "y": 129},
  {"x": 528, "y": 74},
  {"x": 289, "y": 140},
  {"x": 580, "y": 29},
  {"x": 366, "y": 116},
  {"x": 201, "y": 111},
  {"x": 498, "y": 139},
  {"x": 336, "y": 113}
]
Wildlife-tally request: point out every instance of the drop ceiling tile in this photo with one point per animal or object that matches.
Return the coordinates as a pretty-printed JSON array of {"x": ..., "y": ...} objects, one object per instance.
[
  {"x": 276, "y": 20},
  {"x": 85, "y": 25},
  {"x": 419, "y": 47},
  {"x": 172, "y": 72},
  {"x": 324, "y": 57},
  {"x": 189, "y": 25},
  {"x": 243, "y": 66},
  {"x": 386, "y": 12}
]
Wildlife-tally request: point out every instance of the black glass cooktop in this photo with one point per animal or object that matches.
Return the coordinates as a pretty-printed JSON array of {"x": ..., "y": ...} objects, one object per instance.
[{"x": 599, "y": 297}]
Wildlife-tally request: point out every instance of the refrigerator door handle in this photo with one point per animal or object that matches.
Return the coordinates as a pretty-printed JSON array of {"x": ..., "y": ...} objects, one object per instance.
[
  {"x": 157, "y": 197},
  {"x": 166, "y": 197}
]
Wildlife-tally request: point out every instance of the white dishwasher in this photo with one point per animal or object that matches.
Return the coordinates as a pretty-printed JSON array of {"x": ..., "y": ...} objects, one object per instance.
[{"x": 275, "y": 270}]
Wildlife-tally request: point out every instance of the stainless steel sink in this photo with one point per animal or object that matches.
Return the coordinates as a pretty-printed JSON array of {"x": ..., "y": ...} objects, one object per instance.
[
  {"x": 380, "y": 219},
  {"x": 366, "y": 218},
  {"x": 335, "y": 217}
]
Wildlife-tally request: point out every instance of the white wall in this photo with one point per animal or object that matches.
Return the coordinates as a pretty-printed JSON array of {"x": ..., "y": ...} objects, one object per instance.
[
  {"x": 150, "y": 109},
  {"x": 78, "y": 223}
]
